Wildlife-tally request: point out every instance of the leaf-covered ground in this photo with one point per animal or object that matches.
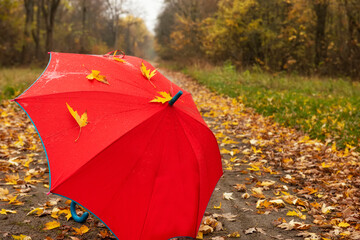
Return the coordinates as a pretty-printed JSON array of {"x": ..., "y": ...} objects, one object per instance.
[{"x": 277, "y": 183}]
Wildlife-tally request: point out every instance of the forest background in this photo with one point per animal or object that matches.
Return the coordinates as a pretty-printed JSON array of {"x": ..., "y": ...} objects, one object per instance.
[
  {"x": 296, "y": 61},
  {"x": 302, "y": 36}
]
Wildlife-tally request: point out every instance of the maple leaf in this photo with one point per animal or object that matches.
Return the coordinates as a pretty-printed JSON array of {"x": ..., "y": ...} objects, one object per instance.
[
  {"x": 21, "y": 237},
  {"x": 81, "y": 121},
  {"x": 250, "y": 230},
  {"x": 55, "y": 213},
  {"x": 147, "y": 73},
  {"x": 118, "y": 59},
  {"x": 228, "y": 196},
  {"x": 104, "y": 234},
  {"x": 6, "y": 211},
  {"x": 294, "y": 225},
  {"x": 51, "y": 225},
  {"x": 37, "y": 211},
  {"x": 14, "y": 201},
  {"x": 96, "y": 75},
  {"x": 80, "y": 231},
  {"x": 230, "y": 217},
  {"x": 297, "y": 214},
  {"x": 165, "y": 98},
  {"x": 344, "y": 224},
  {"x": 67, "y": 212}
]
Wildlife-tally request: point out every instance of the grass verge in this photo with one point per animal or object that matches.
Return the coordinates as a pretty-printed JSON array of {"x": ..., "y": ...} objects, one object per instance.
[
  {"x": 14, "y": 81},
  {"x": 325, "y": 109}
]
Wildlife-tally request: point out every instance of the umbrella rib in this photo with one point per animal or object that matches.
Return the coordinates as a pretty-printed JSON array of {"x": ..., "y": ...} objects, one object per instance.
[
  {"x": 193, "y": 150},
  {"x": 152, "y": 191}
]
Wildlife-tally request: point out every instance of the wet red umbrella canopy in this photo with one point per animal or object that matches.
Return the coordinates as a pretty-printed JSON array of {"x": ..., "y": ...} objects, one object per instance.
[{"x": 125, "y": 143}]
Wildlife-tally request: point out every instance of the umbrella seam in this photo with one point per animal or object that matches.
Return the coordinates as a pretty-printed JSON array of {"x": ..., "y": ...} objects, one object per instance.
[
  {"x": 142, "y": 229},
  {"x": 199, "y": 172},
  {"x": 76, "y": 92}
]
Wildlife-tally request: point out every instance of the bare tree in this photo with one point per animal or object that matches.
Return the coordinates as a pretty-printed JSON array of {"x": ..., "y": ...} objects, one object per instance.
[
  {"x": 35, "y": 32},
  {"x": 49, "y": 8},
  {"x": 321, "y": 8},
  {"x": 116, "y": 10},
  {"x": 29, "y": 14}
]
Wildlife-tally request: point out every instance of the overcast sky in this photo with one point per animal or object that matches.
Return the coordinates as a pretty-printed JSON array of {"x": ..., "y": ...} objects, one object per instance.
[{"x": 147, "y": 10}]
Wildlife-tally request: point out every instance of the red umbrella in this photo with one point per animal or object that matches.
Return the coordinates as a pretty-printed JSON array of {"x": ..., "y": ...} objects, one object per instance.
[{"x": 118, "y": 144}]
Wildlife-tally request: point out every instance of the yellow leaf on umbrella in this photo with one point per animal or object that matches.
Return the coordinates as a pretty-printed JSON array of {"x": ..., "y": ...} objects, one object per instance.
[
  {"x": 21, "y": 237},
  {"x": 165, "y": 97},
  {"x": 82, "y": 121},
  {"x": 51, "y": 225},
  {"x": 96, "y": 75},
  {"x": 80, "y": 231},
  {"x": 147, "y": 73},
  {"x": 119, "y": 59}
]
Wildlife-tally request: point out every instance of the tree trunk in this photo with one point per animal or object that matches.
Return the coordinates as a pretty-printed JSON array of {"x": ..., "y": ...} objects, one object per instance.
[
  {"x": 36, "y": 31},
  {"x": 29, "y": 13},
  {"x": 320, "y": 7},
  {"x": 49, "y": 10},
  {"x": 83, "y": 23}
]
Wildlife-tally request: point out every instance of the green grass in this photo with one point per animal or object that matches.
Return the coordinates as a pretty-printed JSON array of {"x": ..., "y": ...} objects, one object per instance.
[
  {"x": 15, "y": 80},
  {"x": 323, "y": 108}
]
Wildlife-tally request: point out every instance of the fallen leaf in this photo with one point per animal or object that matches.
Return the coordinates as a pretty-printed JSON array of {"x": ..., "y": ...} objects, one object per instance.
[
  {"x": 147, "y": 73},
  {"x": 51, "y": 225},
  {"x": 38, "y": 211},
  {"x": 228, "y": 196},
  {"x": 343, "y": 224},
  {"x": 294, "y": 225},
  {"x": 245, "y": 195},
  {"x": 234, "y": 235},
  {"x": 21, "y": 237},
  {"x": 297, "y": 214},
  {"x": 80, "y": 231},
  {"x": 96, "y": 75},
  {"x": 81, "y": 121},
  {"x": 166, "y": 97},
  {"x": 6, "y": 211},
  {"x": 250, "y": 230},
  {"x": 229, "y": 216},
  {"x": 218, "y": 207},
  {"x": 118, "y": 59}
]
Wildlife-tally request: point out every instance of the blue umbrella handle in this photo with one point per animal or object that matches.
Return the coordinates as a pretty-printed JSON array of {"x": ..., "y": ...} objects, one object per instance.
[
  {"x": 175, "y": 98},
  {"x": 74, "y": 214}
]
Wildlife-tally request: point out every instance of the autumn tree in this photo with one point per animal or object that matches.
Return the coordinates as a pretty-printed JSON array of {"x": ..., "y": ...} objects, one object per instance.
[{"x": 178, "y": 32}]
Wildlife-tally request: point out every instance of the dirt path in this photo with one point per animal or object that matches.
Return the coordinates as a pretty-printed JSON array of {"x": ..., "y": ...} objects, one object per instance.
[{"x": 270, "y": 172}]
